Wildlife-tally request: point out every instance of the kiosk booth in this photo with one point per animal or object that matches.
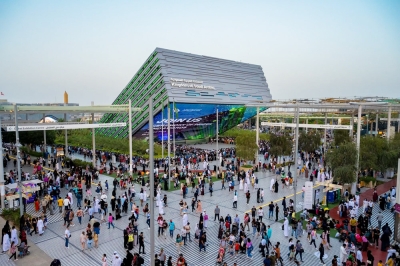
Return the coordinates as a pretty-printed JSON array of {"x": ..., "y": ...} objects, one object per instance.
[{"x": 28, "y": 192}]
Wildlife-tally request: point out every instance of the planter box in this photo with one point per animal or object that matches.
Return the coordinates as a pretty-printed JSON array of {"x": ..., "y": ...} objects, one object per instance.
[
  {"x": 371, "y": 184},
  {"x": 362, "y": 184},
  {"x": 245, "y": 168}
]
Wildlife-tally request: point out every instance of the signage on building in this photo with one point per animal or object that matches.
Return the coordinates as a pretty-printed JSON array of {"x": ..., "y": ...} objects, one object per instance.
[
  {"x": 52, "y": 126},
  {"x": 271, "y": 124},
  {"x": 189, "y": 83}
]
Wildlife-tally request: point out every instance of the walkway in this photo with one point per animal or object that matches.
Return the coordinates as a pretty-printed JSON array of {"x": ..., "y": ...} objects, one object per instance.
[
  {"x": 52, "y": 242},
  {"x": 388, "y": 216}
]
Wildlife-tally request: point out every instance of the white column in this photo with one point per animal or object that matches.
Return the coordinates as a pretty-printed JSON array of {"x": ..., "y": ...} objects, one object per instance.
[
  {"x": 151, "y": 177},
  {"x": 17, "y": 144},
  {"x": 326, "y": 121},
  {"x": 353, "y": 185},
  {"x": 173, "y": 127},
  {"x": 162, "y": 130},
  {"x": 389, "y": 120},
  {"x": 44, "y": 137},
  {"x": 398, "y": 182},
  {"x": 352, "y": 125},
  {"x": 398, "y": 124},
  {"x": 376, "y": 124},
  {"x": 217, "y": 130},
  {"x": 307, "y": 124},
  {"x": 169, "y": 142},
  {"x": 257, "y": 132},
  {"x": 296, "y": 149},
  {"x": 93, "y": 142},
  {"x": 65, "y": 137},
  {"x": 130, "y": 137},
  {"x": 2, "y": 188}
]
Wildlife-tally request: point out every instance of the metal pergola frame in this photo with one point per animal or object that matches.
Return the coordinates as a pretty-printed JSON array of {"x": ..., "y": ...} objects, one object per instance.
[
  {"x": 16, "y": 109},
  {"x": 349, "y": 107}
]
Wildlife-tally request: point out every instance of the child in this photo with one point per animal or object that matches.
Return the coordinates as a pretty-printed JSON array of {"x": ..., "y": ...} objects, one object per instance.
[
  {"x": 380, "y": 263},
  {"x": 237, "y": 248},
  {"x": 45, "y": 222}
]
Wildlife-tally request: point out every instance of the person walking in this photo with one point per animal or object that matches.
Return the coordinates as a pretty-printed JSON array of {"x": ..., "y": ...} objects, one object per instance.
[
  {"x": 321, "y": 253},
  {"x": 79, "y": 214},
  {"x": 171, "y": 228},
  {"x": 104, "y": 259},
  {"x": 299, "y": 250},
  {"x": 249, "y": 248},
  {"x": 216, "y": 212},
  {"x": 313, "y": 238},
  {"x": 248, "y": 197},
  {"x": 13, "y": 251},
  {"x": 271, "y": 207},
  {"x": 83, "y": 240},
  {"x": 178, "y": 243},
  {"x": 110, "y": 221},
  {"x": 89, "y": 236},
  {"x": 276, "y": 212},
  {"x": 67, "y": 235},
  {"x": 141, "y": 242},
  {"x": 162, "y": 257}
]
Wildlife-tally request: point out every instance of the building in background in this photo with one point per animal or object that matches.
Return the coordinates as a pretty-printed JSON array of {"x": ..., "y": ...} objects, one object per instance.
[
  {"x": 195, "y": 87},
  {"x": 36, "y": 117}
]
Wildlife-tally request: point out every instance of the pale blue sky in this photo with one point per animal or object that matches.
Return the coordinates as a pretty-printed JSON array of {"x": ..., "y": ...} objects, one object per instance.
[{"x": 91, "y": 49}]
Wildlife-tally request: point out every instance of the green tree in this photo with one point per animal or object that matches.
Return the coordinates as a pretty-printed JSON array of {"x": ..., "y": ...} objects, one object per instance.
[
  {"x": 281, "y": 145},
  {"x": 343, "y": 160},
  {"x": 341, "y": 136},
  {"x": 83, "y": 138},
  {"x": 310, "y": 141},
  {"x": 31, "y": 137},
  {"x": 246, "y": 146},
  {"x": 378, "y": 153}
]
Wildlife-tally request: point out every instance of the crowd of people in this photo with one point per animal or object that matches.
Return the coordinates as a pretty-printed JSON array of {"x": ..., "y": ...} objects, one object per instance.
[{"x": 69, "y": 186}]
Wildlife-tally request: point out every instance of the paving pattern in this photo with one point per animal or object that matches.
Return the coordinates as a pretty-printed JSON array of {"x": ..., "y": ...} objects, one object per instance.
[{"x": 110, "y": 240}]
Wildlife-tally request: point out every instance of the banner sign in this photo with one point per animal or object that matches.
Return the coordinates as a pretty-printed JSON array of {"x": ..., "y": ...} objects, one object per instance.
[
  {"x": 271, "y": 124},
  {"x": 308, "y": 195},
  {"x": 52, "y": 126}
]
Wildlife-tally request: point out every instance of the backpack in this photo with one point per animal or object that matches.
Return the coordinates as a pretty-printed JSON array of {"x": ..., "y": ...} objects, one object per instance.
[
  {"x": 55, "y": 262},
  {"x": 141, "y": 260}
]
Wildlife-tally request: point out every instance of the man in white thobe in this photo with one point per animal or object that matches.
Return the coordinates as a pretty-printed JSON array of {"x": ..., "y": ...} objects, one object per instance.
[
  {"x": 14, "y": 235},
  {"x": 286, "y": 227}
]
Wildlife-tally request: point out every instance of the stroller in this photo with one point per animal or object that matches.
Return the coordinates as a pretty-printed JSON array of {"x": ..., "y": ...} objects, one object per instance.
[
  {"x": 343, "y": 235},
  {"x": 23, "y": 250},
  {"x": 221, "y": 255}
]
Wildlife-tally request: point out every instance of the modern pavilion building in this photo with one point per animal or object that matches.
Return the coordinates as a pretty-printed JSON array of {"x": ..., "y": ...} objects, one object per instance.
[{"x": 197, "y": 86}]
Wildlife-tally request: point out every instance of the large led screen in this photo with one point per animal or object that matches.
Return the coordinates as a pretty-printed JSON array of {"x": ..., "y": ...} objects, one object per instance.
[{"x": 197, "y": 121}]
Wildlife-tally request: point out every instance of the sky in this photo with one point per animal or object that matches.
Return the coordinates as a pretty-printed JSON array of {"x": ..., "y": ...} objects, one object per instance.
[{"x": 91, "y": 49}]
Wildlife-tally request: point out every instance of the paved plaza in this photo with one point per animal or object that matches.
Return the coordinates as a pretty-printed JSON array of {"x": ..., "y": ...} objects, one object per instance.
[{"x": 110, "y": 240}]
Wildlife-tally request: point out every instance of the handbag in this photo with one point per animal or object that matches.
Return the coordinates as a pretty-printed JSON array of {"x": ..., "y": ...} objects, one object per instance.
[
  {"x": 302, "y": 250},
  {"x": 368, "y": 262}
]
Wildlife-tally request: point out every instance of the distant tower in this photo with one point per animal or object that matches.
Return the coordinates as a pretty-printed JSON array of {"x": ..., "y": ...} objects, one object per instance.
[{"x": 65, "y": 97}]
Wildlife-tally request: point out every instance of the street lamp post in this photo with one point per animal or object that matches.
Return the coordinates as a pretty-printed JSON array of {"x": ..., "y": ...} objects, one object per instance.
[
  {"x": 257, "y": 132},
  {"x": 130, "y": 137},
  {"x": 217, "y": 134},
  {"x": 2, "y": 188},
  {"x": 18, "y": 145},
  {"x": 151, "y": 176},
  {"x": 162, "y": 130},
  {"x": 296, "y": 149},
  {"x": 169, "y": 143},
  {"x": 367, "y": 125}
]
